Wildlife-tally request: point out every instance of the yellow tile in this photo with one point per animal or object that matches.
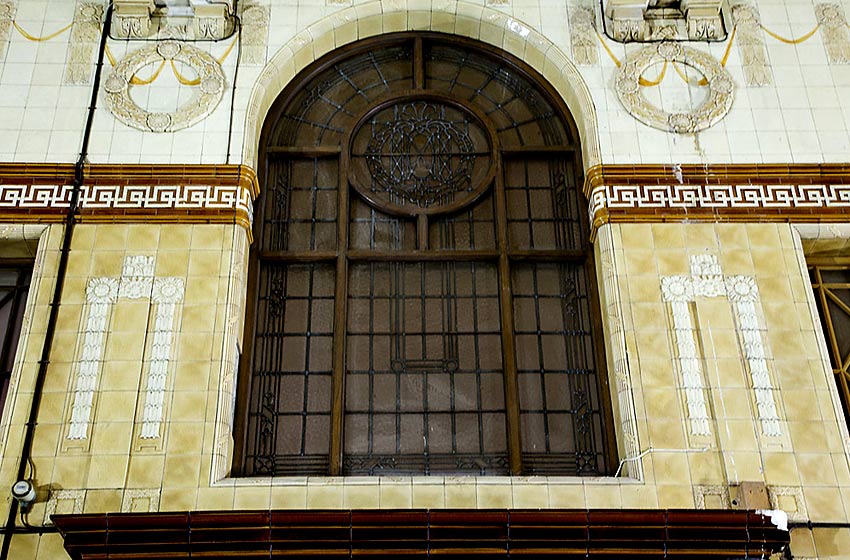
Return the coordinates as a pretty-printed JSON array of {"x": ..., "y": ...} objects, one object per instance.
[
  {"x": 668, "y": 236},
  {"x": 71, "y": 471},
  {"x": 361, "y": 496},
  {"x": 46, "y": 439},
  {"x": 206, "y": 264},
  {"x": 111, "y": 437},
  {"x": 181, "y": 471},
  {"x": 325, "y": 496},
  {"x": 115, "y": 406},
  {"x": 736, "y": 262},
  {"x": 146, "y": 471},
  {"x": 743, "y": 466},
  {"x": 822, "y": 505},
  {"x": 217, "y": 498},
  {"x": 603, "y": 496},
  {"x": 815, "y": 469},
  {"x": 529, "y": 496},
  {"x": 661, "y": 403},
  {"x": 142, "y": 237},
  {"x": 495, "y": 496},
  {"x": 781, "y": 469},
  {"x": 186, "y": 437},
  {"x": 258, "y": 497},
  {"x": 428, "y": 496},
  {"x": 24, "y": 547},
  {"x": 107, "y": 471},
  {"x": 83, "y": 238},
  {"x": 675, "y": 496},
  {"x": 462, "y": 495},
  {"x": 51, "y": 545},
  {"x": 732, "y": 237},
  {"x": 289, "y": 497},
  {"x": 102, "y": 501},
  {"x": 666, "y": 434},
  {"x": 802, "y": 543},
  {"x": 174, "y": 236},
  {"x": 705, "y": 468},
  {"x": 110, "y": 237},
  {"x": 808, "y": 436},
  {"x": 178, "y": 499},
  {"x": 125, "y": 346},
  {"x": 637, "y": 236},
  {"x": 195, "y": 346},
  {"x": 172, "y": 263},
  {"x": 638, "y": 496},
  {"x": 188, "y": 406}
]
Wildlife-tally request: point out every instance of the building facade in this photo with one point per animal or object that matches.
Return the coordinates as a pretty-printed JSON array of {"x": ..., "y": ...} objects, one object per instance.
[{"x": 594, "y": 255}]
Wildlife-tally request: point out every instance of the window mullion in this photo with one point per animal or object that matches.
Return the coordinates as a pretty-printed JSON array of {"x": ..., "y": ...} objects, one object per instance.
[
  {"x": 507, "y": 324},
  {"x": 340, "y": 321}
]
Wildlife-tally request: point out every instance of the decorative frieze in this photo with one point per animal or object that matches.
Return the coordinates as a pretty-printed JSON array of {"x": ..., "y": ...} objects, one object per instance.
[
  {"x": 85, "y": 34},
  {"x": 101, "y": 293},
  {"x": 707, "y": 281},
  {"x": 650, "y": 20},
  {"x": 64, "y": 501},
  {"x": 836, "y": 37},
  {"x": 7, "y": 16},
  {"x": 167, "y": 293},
  {"x": 751, "y": 48},
  {"x": 583, "y": 40},
  {"x": 255, "y": 33},
  {"x": 140, "y": 500},
  {"x": 137, "y": 281}
]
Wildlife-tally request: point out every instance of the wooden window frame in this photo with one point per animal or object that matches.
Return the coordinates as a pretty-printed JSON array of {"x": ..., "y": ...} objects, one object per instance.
[{"x": 502, "y": 256}]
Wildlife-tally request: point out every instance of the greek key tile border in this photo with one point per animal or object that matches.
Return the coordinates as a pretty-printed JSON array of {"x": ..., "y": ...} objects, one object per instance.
[
  {"x": 42, "y": 193},
  {"x": 800, "y": 193}
]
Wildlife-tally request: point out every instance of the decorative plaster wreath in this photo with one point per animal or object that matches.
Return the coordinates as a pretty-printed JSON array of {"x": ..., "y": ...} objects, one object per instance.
[
  {"x": 717, "y": 79},
  {"x": 210, "y": 84}
]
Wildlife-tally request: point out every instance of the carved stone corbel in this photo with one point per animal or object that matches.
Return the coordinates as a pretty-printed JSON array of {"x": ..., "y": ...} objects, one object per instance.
[{"x": 132, "y": 18}]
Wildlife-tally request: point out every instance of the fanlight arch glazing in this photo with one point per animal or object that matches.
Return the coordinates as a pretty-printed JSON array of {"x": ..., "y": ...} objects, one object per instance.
[{"x": 421, "y": 294}]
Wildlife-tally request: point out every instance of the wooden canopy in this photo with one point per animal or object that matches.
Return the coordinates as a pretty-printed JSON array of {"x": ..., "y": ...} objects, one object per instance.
[{"x": 447, "y": 534}]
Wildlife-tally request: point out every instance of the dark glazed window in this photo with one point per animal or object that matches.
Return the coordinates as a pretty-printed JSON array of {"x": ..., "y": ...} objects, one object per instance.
[
  {"x": 14, "y": 287},
  {"x": 421, "y": 282}
]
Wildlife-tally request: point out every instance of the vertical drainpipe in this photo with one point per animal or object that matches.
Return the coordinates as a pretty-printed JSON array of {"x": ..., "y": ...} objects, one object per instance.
[{"x": 70, "y": 221}]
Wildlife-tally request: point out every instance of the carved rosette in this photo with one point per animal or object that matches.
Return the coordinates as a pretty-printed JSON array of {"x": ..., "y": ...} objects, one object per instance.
[
  {"x": 210, "y": 87},
  {"x": 717, "y": 104}
]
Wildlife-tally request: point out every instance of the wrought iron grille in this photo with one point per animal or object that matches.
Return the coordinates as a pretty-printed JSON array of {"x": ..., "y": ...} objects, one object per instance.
[{"x": 422, "y": 285}]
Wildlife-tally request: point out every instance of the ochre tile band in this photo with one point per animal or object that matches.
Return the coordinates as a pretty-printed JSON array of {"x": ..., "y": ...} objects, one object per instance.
[
  {"x": 718, "y": 193},
  {"x": 130, "y": 193}
]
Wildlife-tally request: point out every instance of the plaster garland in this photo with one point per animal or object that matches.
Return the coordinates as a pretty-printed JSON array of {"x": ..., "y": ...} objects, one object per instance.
[
  {"x": 211, "y": 83},
  {"x": 717, "y": 104}
]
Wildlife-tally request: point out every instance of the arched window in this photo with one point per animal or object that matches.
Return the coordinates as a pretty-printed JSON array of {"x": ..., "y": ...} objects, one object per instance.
[{"x": 421, "y": 293}]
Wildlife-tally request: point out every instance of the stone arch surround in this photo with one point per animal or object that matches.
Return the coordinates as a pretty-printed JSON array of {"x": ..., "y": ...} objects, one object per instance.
[{"x": 461, "y": 18}]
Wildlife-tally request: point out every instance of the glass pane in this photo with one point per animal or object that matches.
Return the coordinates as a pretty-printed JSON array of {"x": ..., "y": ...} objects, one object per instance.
[
  {"x": 544, "y": 205},
  {"x": 326, "y": 109},
  {"x": 301, "y": 205},
  {"x": 473, "y": 228},
  {"x": 289, "y": 415},
  {"x": 372, "y": 229},
  {"x": 520, "y": 114},
  {"x": 424, "y": 389},
  {"x": 14, "y": 288},
  {"x": 560, "y": 412}
]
